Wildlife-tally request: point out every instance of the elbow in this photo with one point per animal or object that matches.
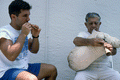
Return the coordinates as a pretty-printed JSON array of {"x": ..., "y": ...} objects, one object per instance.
[
  {"x": 75, "y": 41},
  {"x": 34, "y": 51},
  {"x": 11, "y": 59}
]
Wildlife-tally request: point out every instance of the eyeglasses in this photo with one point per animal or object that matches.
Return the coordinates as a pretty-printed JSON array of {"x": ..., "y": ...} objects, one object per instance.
[{"x": 91, "y": 23}]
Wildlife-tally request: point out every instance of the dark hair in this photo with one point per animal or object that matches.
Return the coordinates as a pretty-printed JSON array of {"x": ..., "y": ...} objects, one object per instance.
[
  {"x": 16, "y": 6},
  {"x": 92, "y": 15}
]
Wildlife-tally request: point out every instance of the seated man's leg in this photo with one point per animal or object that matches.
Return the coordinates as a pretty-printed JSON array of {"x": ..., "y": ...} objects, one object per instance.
[
  {"x": 18, "y": 74},
  {"x": 41, "y": 70},
  {"x": 24, "y": 75},
  {"x": 85, "y": 75},
  {"x": 47, "y": 71},
  {"x": 35, "y": 71},
  {"x": 109, "y": 74}
]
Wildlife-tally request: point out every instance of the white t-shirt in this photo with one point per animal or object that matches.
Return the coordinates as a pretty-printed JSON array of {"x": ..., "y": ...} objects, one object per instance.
[
  {"x": 21, "y": 61},
  {"x": 103, "y": 60}
]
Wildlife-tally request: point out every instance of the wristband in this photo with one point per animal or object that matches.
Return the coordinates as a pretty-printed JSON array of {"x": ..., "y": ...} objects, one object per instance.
[{"x": 35, "y": 37}]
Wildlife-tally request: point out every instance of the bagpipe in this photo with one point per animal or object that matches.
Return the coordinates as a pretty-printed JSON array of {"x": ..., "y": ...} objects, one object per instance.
[{"x": 82, "y": 56}]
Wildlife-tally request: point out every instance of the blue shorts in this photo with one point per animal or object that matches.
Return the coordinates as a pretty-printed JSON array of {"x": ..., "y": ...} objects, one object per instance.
[{"x": 11, "y": 74}]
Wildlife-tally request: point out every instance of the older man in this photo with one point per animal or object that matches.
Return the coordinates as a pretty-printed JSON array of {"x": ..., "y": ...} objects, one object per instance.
[{"x": 102, "y": 67}]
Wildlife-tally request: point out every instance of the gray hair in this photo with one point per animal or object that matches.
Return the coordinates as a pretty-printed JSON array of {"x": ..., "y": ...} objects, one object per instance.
[{"x": 92, "y": 15}]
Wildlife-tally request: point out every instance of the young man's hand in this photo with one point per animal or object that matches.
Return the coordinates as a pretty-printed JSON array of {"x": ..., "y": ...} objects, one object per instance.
[
  {"x": 26, "y": 28},
  {"x": 35, "y": 30}
]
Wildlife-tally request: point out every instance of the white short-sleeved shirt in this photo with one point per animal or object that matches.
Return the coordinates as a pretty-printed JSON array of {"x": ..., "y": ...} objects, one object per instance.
[
  {"x": 21, "y": 61},
  {"x": 103, "y": 60}
]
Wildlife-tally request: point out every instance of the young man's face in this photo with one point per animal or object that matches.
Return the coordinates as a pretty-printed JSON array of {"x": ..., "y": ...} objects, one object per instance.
[
  {"x": 93, "y": 24},
  {"x": 22, "y": 18}
]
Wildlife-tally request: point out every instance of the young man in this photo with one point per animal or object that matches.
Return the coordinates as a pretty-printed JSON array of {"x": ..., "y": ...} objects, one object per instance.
[
  {"x": 100, "y": 69},
  {"x": 16, "y": 40}
]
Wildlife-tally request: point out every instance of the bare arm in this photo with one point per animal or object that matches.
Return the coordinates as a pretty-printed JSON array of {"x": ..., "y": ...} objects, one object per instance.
[
  {"x": 79, "y": 41},
  {"x": 10, "y": 50},
  {"x": 34, "y": 43}
]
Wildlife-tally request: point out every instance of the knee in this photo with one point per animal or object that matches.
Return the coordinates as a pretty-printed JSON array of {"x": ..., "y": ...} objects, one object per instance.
[
  {"x": 53, "y": 69},
  {"x": 32, "y": 77},
  {"x": 24, "y": 75}
]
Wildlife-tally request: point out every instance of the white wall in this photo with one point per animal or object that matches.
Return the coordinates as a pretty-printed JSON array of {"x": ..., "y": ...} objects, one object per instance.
[{"x": 61, "y": 21}]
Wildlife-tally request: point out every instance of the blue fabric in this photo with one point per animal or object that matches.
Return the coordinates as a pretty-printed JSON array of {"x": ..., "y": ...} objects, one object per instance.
[
  {"x": 24, "y": 51},
  {"x": 11, "y": 74}
]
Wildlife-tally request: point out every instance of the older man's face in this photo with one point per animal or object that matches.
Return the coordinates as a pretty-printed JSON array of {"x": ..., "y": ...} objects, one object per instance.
[{"x": 93, "y": 24}]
